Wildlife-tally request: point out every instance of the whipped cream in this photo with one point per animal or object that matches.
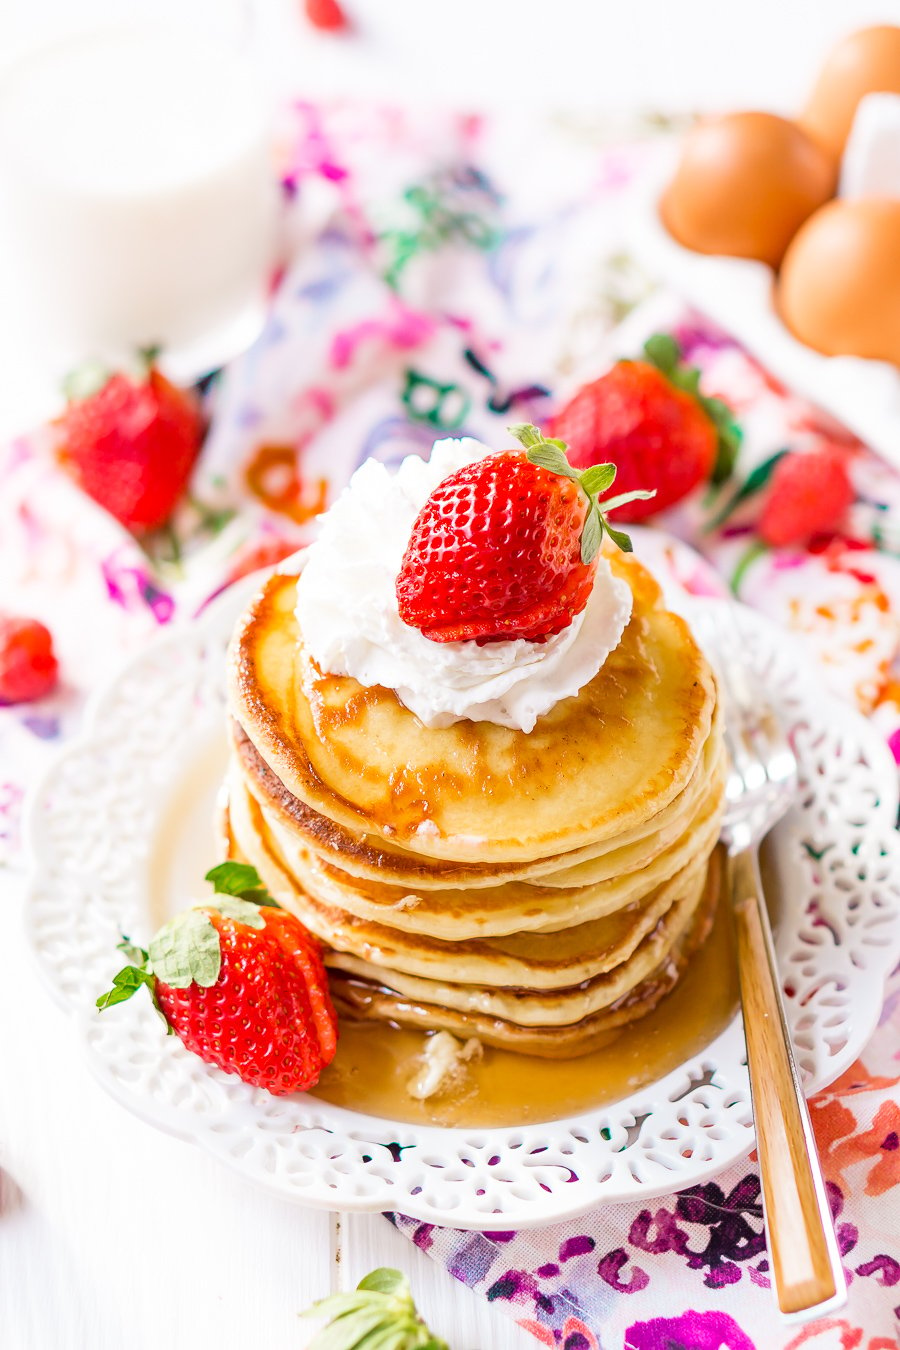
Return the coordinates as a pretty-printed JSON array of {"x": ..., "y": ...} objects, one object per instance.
[{"x": 347, "y": 610}]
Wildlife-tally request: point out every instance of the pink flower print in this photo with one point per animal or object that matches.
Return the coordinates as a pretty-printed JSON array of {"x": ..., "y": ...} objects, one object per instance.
[{"x": 690, "y": 1331}]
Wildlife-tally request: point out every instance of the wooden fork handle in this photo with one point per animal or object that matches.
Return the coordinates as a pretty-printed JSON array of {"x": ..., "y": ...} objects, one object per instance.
[{"x": 806, "y": 1268}]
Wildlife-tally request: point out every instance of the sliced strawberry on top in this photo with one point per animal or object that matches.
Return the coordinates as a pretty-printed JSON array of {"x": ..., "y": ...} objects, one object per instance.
[{"x": 506, "y": 547}]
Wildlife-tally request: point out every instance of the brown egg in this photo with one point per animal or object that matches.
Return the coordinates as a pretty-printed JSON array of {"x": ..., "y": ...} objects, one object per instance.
[
  {"x": 867, "y": 62},
  {"x": 745, "y": 184},
  {"x": 839, "y": 288}
]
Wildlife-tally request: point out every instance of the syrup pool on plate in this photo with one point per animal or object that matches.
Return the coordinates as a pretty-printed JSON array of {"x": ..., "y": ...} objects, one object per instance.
[
  {"x": 375, "y": 1062},
  {"x": 138, "y": 200}
]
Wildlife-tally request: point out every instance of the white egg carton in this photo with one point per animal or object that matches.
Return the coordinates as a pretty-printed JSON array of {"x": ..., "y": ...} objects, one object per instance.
[{"x": 737, "y": 294}]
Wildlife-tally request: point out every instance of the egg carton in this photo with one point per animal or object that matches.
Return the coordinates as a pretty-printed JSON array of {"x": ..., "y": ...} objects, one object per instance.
[{"x": 738, "y": 295}]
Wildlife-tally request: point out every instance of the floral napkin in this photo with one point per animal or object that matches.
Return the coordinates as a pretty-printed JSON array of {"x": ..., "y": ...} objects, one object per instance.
[{"x": 449, "y": 274}]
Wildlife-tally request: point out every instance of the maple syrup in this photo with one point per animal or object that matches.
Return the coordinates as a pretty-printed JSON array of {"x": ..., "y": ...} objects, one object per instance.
[{"x": 375, "y": 1061}]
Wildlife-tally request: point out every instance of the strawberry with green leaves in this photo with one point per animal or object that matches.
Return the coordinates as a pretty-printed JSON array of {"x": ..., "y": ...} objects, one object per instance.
[
  {"x": 241, "y": 982},
  {"x": 650, "y": 419},
  {"x": 506, "y": 547},
  {"x": 379, "y": 1314}
]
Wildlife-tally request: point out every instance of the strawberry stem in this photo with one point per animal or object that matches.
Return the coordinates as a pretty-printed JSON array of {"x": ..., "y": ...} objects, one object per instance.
[
  {"x": 664, "y": 352},
  {"x": 549, "y": 453}
]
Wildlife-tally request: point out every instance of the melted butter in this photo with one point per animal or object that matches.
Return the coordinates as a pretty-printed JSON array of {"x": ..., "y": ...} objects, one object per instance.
[{"x": 375, "y": 1061}]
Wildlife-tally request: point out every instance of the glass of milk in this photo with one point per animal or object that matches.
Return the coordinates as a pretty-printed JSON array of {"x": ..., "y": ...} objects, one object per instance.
[{"x": 138, "y": 200}]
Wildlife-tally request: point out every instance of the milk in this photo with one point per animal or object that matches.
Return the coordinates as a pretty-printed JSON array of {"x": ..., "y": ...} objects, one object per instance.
[{"x": 137, "y": 198}]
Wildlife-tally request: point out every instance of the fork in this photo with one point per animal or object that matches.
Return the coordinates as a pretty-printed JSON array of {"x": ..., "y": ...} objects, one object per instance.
[{"x": 761, "y": 786}]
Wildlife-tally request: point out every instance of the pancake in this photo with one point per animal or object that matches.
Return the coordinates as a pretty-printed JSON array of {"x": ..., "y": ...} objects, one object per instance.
[
  {"x": 366, "y": 858},
  {"x": 291, "y": 872},
  {"x": 596, "y": 766},
  {"x": 368, "y": 1000},
  {"x": 532, "y": 1005},
  {"x": 577, "y": 952}
]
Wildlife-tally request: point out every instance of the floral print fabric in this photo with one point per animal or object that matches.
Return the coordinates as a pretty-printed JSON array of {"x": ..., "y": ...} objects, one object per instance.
[{"x": 449, "y": 274}]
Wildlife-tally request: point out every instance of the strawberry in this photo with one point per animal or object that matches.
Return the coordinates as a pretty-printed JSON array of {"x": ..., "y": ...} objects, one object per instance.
[
  {"x": 28, "y": 667},
  {"x": 808, "y": 493},
  {"x": 650, "y": 419},
  {"x": 326, "y": 15},
  {"x": 241, "y": 982},
  {"x": 506, "y": 547},
  {"x": 131, "y": 443}
]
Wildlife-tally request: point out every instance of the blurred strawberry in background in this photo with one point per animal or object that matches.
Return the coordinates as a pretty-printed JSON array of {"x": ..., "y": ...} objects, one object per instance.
[
  {"x": 326, "y": 15},
  {"x": 130, "y": 442},
  {"x": 28, "y": 666},
  {"x": 650, "y": 419},
  {"x": 807, "y": 494}
]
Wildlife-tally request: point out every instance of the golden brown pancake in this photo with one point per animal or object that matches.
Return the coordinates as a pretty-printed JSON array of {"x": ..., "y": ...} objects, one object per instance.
[
  {"x": 596, "y": 766},
  {"x": 368, "y": 1000},
  {"x": 298, "y": 879}
]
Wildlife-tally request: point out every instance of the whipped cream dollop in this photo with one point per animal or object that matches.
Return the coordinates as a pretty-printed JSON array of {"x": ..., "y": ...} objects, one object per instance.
[{"x": 347, "y": 610}]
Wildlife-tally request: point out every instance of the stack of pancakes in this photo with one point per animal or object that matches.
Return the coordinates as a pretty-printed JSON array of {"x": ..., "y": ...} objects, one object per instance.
[{"x": 535, "y": 890}]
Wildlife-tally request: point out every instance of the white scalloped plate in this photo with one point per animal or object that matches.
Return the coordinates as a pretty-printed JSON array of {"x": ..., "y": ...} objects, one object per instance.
[{"x": 120, "y": 829}]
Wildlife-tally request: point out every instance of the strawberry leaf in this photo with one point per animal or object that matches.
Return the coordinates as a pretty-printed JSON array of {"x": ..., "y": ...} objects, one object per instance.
[
  {"x": 591, "y": 535},
  {"x": 186, "y": 951},
  {"x": 243, "y": 911},
  {"x": 620, "y": 538},
  {"x": 386, "y": 1280},
  {"x": 239, "y": 879},
  {"x": 380, "y": 1315},
  {"x": 137, "y": 955},
  {"x": 598, "y": 478},
  {"x": 125, "y": 984},
  {"x": 664, "y": 352},
  {"x": 550, "y": 454},
  {"x": 85, "y": 381},
  {"x": 753, "y": 483},
  {"x": 130, "y": 979},
  {"x": 637, "y": 495},
  {"x": 526, "y": 434}
]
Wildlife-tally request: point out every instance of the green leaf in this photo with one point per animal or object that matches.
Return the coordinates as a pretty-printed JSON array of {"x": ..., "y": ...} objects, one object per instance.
[
  {"x": 637, "y": 495},
  {"x": 526, "y": 434},
  {"x": 598, "y": 478},
  {"x": 234, "y": 878},
  {"x": 186, "y": 951},
  {"x": 243, "y": 911},
  {"x": 386, "y": 1280},
  {"x": 86, "y": 380},
  {"x": 591, "y": 535},
  {"x": 381, "y": 1315},
  {"x": 345, "y": 1333},
  {"x": 391, "y": 1337},
  {"x": 753, "y": 483},
  {"x": 745, "y": 562},
  {"x": 240, "y": 880},
  {"x": 549, "y": 456},
  {"x": 662, "y": 351},
  {"x": 136, "y": 954},
  {"x": 620, "y": 538},
  {"x": 125, "y": 985}
]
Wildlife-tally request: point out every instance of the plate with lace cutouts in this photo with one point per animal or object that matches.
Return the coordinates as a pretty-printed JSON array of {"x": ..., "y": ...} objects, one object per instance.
[{"x": 120, "y": 814}]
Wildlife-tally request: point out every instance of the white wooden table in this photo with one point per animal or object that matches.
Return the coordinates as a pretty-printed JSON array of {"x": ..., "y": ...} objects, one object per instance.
[{"x": 114, "y": 1234}]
